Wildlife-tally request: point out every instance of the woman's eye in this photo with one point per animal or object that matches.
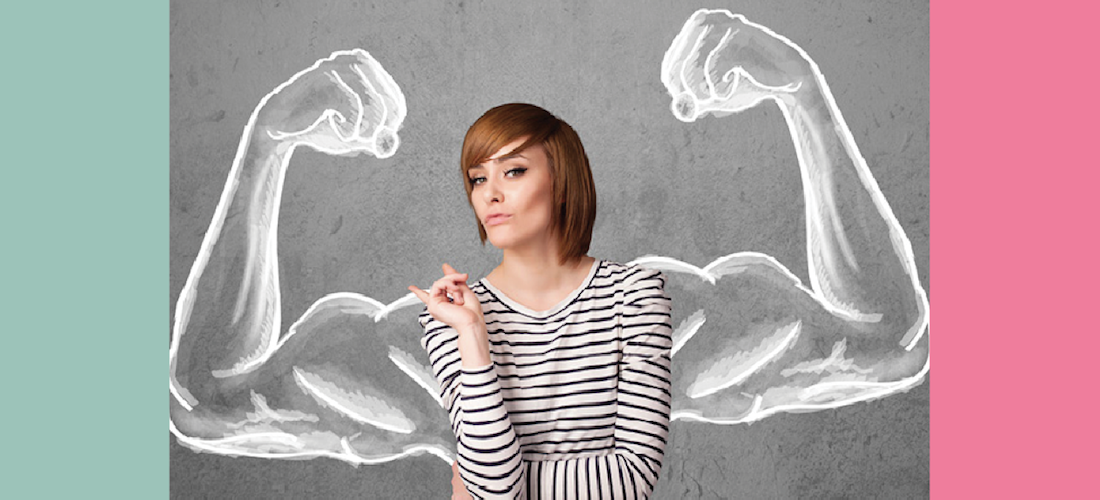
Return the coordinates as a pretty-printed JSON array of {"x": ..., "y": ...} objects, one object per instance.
[{"x": 515, "y": 172}]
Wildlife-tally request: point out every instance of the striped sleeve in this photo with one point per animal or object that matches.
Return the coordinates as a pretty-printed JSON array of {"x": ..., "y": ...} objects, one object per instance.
[
  {"x": 489, "y": 459},
  {"x": 645, "y": 395}
]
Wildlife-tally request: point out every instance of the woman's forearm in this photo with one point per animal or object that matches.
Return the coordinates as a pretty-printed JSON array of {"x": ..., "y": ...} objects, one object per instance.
[
  {"x": 473, "y": 345},
  {"x": 458, "y": 488}
]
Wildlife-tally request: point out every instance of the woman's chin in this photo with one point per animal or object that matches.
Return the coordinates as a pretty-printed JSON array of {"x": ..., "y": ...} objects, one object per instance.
[
  {"x": 502, "y": 242},
  {"x": 500, "y": 245}
]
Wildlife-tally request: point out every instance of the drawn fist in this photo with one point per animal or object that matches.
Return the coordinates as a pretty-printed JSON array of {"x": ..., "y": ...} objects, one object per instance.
[
  {"x": 722, "y": 63},
  {"x": 344, "y": 104}
]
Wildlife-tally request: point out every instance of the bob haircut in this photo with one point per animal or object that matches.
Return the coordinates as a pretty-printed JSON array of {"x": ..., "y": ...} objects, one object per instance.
[{"x": 571, "y": 174}]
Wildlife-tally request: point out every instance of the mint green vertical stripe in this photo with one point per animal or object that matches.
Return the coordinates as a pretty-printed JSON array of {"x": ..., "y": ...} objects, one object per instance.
[{"x": 84, "y": 249}]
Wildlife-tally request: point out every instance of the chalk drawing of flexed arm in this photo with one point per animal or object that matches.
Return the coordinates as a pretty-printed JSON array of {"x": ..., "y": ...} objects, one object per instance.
[
  {"x": 238, "y": 383},
  {"x": 768, "y": 343}
]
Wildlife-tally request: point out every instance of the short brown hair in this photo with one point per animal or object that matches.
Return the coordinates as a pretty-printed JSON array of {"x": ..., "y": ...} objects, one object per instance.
[{"x": 569, "y": 167}]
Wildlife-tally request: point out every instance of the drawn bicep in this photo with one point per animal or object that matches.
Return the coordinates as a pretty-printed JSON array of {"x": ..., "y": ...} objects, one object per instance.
[{"x": 757, "y": 341}]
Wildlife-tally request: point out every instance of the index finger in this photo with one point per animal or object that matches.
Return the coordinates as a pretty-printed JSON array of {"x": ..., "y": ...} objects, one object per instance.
[
  {"x": 420, "y": 294},
  {"x": 447, "y": 269}
]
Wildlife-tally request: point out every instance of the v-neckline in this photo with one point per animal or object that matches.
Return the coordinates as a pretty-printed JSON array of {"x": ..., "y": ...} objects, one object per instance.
[{"x": 516, "y": 306}]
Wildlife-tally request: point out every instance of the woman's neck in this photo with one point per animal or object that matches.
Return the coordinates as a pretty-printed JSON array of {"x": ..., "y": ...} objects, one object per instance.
[{"x": 538, "y": 272}]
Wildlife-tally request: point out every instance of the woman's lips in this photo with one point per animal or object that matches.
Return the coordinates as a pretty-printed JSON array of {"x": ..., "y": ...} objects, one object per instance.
[{"x": 497, "y": 219}]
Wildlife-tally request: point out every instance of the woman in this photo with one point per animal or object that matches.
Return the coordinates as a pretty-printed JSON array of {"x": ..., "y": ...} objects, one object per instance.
[{"x": 555, "y": 367}]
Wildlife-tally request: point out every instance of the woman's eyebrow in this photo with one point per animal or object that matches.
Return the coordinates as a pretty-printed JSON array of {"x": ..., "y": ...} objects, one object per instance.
[
  {"x": 502, "y": 159},
  {"x": 505, "y": 158}
]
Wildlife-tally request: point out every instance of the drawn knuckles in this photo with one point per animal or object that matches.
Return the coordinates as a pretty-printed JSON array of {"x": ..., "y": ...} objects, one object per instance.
[
  {"x": 721, "y": 62},
  {"x": 344, "y": 104}
]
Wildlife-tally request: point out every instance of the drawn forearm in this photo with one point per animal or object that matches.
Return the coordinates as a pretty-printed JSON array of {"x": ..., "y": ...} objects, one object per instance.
[
  {"x": 231, "y": 299},
  {"x": 859, "y": 259}
]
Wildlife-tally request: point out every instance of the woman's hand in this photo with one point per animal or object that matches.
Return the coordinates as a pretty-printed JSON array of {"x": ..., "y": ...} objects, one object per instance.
[
  {"x": 462, "y": 310},
  {"x": 458, "y": 488}
]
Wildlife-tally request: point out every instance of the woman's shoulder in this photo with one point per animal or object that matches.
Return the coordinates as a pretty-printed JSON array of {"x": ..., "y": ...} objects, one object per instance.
[{"x": 627, "y": 275}]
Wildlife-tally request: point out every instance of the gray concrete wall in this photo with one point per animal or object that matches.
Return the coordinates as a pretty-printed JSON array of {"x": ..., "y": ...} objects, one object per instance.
[{"x": 692, "y": 191}]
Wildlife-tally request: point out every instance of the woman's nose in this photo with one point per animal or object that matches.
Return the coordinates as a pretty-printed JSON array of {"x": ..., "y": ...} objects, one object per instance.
[{"x": 491, "y": 191}]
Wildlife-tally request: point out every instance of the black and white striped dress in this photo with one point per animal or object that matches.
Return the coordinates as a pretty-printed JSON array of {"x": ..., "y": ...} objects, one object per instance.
[{"x": 576, "y": 402}]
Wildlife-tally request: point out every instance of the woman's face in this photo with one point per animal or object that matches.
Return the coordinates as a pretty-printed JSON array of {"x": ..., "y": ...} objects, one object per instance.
[{"x": 513, "y": 196}]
